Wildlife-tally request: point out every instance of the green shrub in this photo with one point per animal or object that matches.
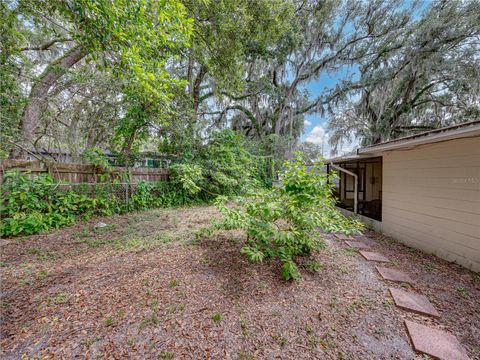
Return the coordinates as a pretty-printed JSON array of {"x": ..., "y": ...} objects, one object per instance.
[
  {"x": 29, "y": 206},
  {"x": 283, "y": 222}
]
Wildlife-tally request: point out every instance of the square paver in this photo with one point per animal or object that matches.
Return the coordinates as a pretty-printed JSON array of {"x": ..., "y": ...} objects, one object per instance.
[
  {"x": 436, "y": 343},
  {"x": 373, "y": 256},
  {"x": 413, "y": 302},
  {"x": 357, "y": 244},
  {"x": 343, "y": 236},
  {"x": 394, "y": 275}
]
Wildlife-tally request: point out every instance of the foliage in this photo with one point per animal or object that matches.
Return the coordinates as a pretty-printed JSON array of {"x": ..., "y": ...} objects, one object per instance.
[
  {"x": 96, "y": 157},
  {"x": 30, "y": 206},
  {"x": 424, "y": 77},
  {"x": 284, "y": 222},
  {"x": 221, "y": 167}
]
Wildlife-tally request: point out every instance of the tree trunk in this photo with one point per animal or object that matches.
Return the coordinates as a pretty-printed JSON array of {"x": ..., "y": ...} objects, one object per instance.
[{"x": 38, "y": 97}]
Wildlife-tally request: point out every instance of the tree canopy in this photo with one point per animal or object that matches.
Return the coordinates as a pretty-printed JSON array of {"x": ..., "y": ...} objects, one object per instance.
[{"x": 165, "y": 76}]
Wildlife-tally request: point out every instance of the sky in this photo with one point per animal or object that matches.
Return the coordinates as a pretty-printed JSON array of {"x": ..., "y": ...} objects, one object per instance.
[{"x": 316, "y": 125}]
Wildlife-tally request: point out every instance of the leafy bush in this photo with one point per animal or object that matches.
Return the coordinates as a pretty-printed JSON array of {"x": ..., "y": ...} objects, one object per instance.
[
  {"x": 29, "y": 206},
  {"x": 222, "y": 167},
  {"x": 284, "y": 222}
]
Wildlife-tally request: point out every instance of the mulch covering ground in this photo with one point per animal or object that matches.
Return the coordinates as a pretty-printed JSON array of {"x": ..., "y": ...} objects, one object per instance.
[{"x": 145, "y": 287}]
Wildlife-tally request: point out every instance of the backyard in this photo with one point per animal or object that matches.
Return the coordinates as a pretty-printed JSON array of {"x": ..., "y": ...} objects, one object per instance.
[{"x": 145, "y": 285}]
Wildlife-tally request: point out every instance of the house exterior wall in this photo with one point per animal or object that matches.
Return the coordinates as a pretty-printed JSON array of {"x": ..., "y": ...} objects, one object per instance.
[{"x": 431, "y": 199}]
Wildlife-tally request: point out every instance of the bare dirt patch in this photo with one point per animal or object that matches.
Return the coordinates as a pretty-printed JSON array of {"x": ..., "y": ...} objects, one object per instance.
[{"x": 145, "y": 287}]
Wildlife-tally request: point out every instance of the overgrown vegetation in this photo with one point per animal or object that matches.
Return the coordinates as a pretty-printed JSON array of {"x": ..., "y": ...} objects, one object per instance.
[
  {"x": 221, "y": 167},
  {"x": 284, "y": 222}
]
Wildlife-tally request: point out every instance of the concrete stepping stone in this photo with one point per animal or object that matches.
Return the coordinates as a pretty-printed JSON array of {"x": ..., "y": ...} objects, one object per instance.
[
  {"x": 394, "y": 275},
  {"x": 436, "y": 343},
  {"x": 373, "y": 256},
  {"x": 357, "y": 244},
  {"x": 413, "y": 302},
  {"x": 343, "y": 236}
]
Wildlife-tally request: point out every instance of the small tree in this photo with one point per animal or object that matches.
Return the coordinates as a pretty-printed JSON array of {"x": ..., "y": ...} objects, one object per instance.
[{"x": 284, "y": 222}]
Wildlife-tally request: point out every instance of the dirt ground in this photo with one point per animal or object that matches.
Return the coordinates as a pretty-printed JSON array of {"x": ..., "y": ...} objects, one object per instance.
[{"x": 145, "y": 287}]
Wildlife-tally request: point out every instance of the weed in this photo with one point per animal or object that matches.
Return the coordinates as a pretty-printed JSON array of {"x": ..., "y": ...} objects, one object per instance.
[
  {"x": 174, "y": 308},
  {"x": 152, "y": 320},
  {"x": 350, "y": 250},
  {"x": 173, "y": 283},
  {"x": 60, "y": 298},
  {"x": 243, "y": 356},
  {"x": 313, "y": 340},
  {"x": 388, "y": 302},
  {"x": 280, "y": 340},
  {"x": 81, "y": 234},
  {"x": 109, "y": 321},
  {"x": 217, "y": 317},
  {"x": 313, "y": 266},
  {"x": 164, "y": 354},
  {"x": 244, "y": 326},
  {"x": 43, "y": 255},
  {"x": 3, "y": 264},
  {"x": 42, "y": 275},
  {"x": 164, "y": 238},
  {"x": 429, "y": 266},
  {"x": 344, "y": 270},
  {"x": 100, "y": 230},
  {"x": 462, "y": 292},
  {"x": 154, "y": 305},
  {"x": 333, "y": 302},
  {"x": 262, "y": 286},
  {"x": 358, "y": 303}
]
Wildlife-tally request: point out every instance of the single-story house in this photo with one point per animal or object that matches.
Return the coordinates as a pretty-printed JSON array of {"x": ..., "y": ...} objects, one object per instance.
[{"x": 423, "y": 190}]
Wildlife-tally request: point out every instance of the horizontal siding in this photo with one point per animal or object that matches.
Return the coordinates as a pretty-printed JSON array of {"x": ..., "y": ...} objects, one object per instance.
[{"x": 431, "y": 199}]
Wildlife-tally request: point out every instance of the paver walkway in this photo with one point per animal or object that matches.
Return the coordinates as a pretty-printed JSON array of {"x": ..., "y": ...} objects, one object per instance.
[
  {"x": 373, "y": 256},
  {"x": 394, "y": 275},
  {"x": 413, "y": 302},
  {"x": 436, "y": 343},
  {"x": 427, "y": 340}
]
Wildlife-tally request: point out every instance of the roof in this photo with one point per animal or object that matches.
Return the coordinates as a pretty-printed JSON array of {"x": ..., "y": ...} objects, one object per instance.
[{"x": 469, "y": 129}]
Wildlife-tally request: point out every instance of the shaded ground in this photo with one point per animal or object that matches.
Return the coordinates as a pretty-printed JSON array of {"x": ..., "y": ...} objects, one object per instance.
[{"x": 143, "y": 287}]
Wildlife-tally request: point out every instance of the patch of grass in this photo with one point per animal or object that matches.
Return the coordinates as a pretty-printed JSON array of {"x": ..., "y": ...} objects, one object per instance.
[
  {"x": 60, "y": 298},
  {"x": 262, "y": 286},
  {"x": 164, "y": 238},
  {"x": 217, "y": 317},
  {"x": 167, "y": 355},
  {"x": 109, "y": 321},
  {"x": 243, "y": 356},
  {"x": 82, "y": 234},
  {"x": 358, "y": 303},
  {"x": 175, "y": 308},
  {"x": 388, "y": 302},
  {"x": 173, "y": 283},
  {"x": 333, "y": 302},
  {"x": 99, "y": 242},
  {"x": 344, "y": 270},
  {"x": 280, "y": 340},
  {"x": 429, "y": 266},
  {"x": 3, "y": 264},
  {"x": 43, "y": 255},
  {"x": 244, "y": 326},
  {"x": 151, "y": 320},
  {"x": 42, "y": 275},
  {"x": 350, "y": 250},
  {"x": 100, "y": 230},
  {"x": 462, "y": 292},
  {"x": 313, "y": 266}
]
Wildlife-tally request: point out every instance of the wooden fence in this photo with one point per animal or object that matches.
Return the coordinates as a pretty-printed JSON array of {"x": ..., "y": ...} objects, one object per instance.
[{"x": 81, "y": 173}]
